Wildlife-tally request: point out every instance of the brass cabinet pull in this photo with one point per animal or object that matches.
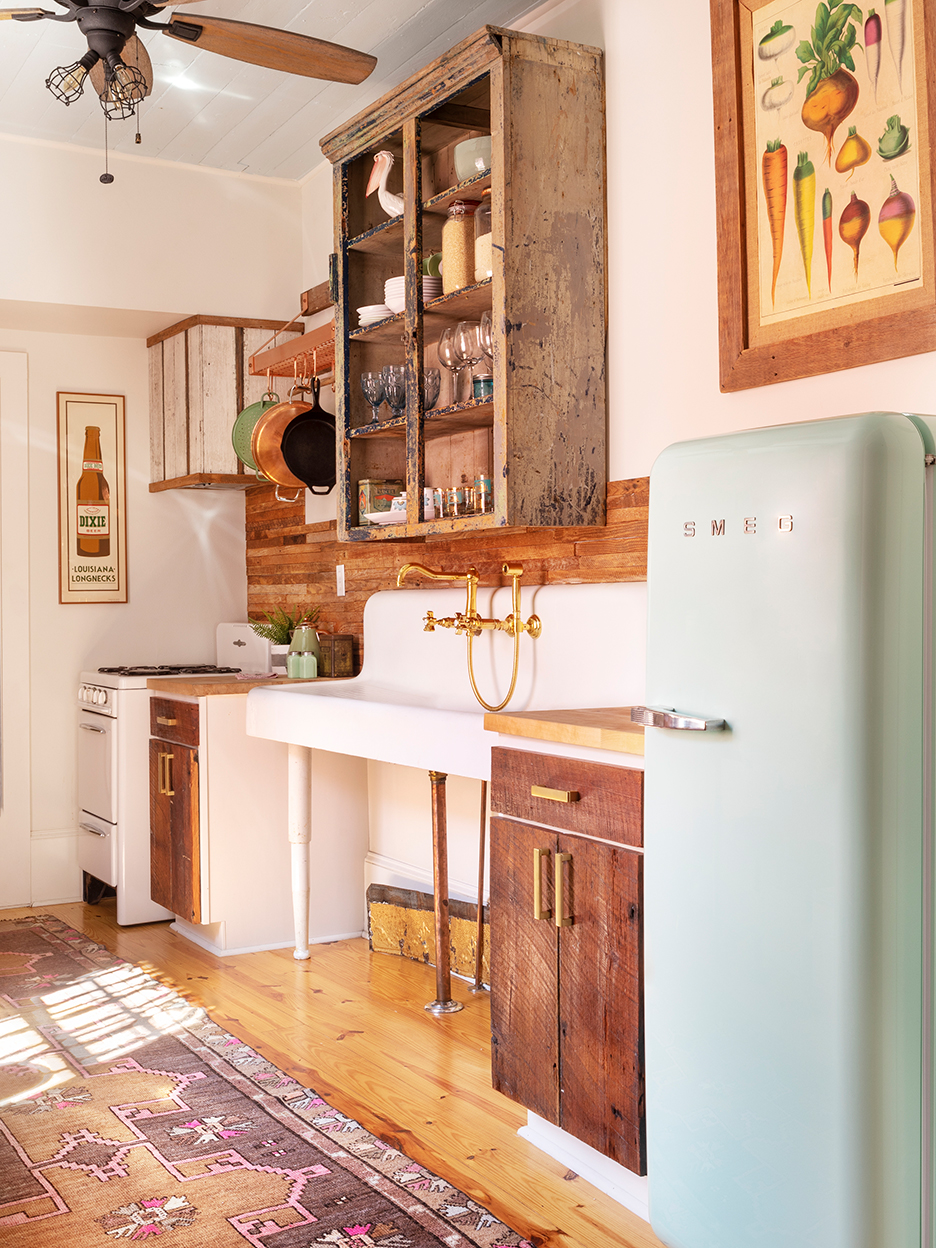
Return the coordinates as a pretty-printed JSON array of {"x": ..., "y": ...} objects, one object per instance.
[
  {"x": 538, "y": 911},
  {"x": 170, "y": 723},
  {"x": 555, "y": 795},
  {"x": 561, "y": 919},
  {"x": 164, "y": 776}
]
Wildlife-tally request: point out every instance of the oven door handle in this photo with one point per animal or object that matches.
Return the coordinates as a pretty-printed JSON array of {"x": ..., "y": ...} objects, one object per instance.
[
  {"x": 86, "y": 827},
  {"x": 91, "y": 727}
]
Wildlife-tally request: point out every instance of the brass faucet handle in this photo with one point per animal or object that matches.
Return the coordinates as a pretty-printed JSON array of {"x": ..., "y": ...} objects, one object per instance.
[
  {"x": 512, "y": 569},
  {"x": 430, "y": 623}
]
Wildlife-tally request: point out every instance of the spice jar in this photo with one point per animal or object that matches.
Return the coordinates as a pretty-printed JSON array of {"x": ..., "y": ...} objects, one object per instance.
[
  {"x": 483, "y": 263},
  {"x": 458, "y": 246}
]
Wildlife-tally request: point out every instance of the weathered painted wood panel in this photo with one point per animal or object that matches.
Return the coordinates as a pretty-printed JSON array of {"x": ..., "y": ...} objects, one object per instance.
[
  {"x": 156, "y": 417},
  {"x": 175, "y": 407}
]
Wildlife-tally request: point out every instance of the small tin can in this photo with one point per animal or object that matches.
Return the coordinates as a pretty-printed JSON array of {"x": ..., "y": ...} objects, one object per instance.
[
  {"x": 337, "y": 654},
  {"x": 374, "y": 495},
  {"x": 482, "y": 385}
]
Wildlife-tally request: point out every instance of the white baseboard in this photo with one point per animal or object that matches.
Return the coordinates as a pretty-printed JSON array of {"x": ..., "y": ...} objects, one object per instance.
[
  {"x": 621, "y": 1184},
  {"x": 191, "y": 932}
]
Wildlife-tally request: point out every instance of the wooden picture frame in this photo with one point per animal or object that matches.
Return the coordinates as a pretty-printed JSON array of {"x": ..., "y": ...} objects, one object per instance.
[
  {"x": 92, "y": 493},
  {"x": 757, "y": 344}
]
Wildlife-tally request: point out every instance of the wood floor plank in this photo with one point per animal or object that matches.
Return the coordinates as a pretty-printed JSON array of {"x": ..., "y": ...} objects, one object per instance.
[{"x": 351, "y": 1024}]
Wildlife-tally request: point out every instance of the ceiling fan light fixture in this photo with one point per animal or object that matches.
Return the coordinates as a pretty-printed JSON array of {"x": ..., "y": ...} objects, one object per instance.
[
  {"x": 67, "y": 81},
  {"x": 125, "y": 88}
]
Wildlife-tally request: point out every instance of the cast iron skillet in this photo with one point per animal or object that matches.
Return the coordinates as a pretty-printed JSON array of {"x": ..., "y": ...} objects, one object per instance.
[{"x": 308, "y": 446}]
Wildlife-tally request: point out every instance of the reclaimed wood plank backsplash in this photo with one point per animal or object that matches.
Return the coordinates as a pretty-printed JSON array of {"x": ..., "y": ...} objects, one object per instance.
[{"x": 290, "y": 563}]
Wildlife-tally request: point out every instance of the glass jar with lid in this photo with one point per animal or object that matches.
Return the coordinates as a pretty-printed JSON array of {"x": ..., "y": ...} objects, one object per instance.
[
  {"x": 483, "y": 262},
  {"x": 458, "y": 246}
]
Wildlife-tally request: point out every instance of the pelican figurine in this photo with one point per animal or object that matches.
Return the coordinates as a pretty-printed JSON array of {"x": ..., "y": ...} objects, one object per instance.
[{"x": 391, "y": 204}]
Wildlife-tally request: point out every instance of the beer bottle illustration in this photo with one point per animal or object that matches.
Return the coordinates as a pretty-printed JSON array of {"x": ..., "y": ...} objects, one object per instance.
[{"x": 93, "y": 510}]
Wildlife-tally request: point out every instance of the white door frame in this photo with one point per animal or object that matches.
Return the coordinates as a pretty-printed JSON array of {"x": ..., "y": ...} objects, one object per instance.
[{"x": 15, "y": 810}]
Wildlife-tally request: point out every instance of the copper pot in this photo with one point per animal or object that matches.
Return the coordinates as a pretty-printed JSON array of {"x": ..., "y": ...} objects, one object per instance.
[{"x": 266, "y": 442}]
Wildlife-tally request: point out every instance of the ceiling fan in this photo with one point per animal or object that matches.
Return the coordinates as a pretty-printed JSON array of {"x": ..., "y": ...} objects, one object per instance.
[{"x": 120, "y": 69}]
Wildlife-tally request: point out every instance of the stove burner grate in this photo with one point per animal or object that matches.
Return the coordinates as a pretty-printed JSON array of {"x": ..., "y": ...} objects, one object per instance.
[{"x": 170, "y": 669}]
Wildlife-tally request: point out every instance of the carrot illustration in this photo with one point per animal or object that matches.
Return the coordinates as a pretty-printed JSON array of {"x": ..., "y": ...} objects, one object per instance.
[
  {"x": 827, "y": 231},
  {"x": 804, "y": 210},
  {"x": 774, "y": 176},
  {"x": 853, "y": 225},
  {"x": 872, "y": 34},
  {"x": 895, "y": 12}
]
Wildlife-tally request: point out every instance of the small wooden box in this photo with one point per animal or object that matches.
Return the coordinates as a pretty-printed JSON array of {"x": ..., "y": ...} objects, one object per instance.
[{"x": 337, "y": 654}]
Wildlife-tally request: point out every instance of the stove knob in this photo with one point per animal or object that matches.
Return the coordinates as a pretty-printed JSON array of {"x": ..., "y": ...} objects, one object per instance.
[
  {"x": 96, "y": 697},
  {"x": 81, "y": 694}
]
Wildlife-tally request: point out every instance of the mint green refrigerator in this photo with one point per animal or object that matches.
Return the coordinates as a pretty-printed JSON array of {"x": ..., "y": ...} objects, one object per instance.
[{"x": 788, "y": 868}]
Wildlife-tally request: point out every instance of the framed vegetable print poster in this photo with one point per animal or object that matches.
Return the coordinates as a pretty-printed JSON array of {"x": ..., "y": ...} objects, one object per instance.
[
  {"x": 92, "y": 507},
  {"x": 823, "y": 118}
]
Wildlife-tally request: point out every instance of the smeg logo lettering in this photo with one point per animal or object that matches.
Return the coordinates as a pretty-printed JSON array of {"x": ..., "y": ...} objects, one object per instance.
[{"x": 748, "y": 525}]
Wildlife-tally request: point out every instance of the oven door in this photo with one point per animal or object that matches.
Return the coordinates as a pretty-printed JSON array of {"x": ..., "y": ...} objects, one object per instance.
[
  {"x": 97, "y": 847},
  {"x": 97, "y": 765}
]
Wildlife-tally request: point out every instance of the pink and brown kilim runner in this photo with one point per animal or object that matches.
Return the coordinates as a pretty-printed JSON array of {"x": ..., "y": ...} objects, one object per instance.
[{"x": 127, "y": 1114}]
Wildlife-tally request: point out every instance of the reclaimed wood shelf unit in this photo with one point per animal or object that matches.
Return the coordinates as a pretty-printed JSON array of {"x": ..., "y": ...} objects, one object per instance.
[
  {"x": 198, "y": 382},
  {"x": 542, "y": 435}
]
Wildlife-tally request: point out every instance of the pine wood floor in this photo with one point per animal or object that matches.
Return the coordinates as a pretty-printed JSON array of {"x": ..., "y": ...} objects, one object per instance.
[{"x": 351, "y": 1024}]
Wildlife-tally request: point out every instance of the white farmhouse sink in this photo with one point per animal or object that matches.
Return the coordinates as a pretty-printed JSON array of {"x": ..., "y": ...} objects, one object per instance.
[{"x": 412, "y": 703}]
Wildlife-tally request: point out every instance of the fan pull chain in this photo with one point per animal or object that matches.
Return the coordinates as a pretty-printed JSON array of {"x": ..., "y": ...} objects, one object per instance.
[{"x": 106, "y": 177}]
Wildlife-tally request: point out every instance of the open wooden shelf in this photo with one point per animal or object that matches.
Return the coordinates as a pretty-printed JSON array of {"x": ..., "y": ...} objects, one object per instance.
[
  {"x": 469, "y": 189},
  {"x": 399, "y": 532},
  {"x": 208, "y": 481},
  {"x": 384, "y": 239},
  {"x": 439, "y": 421}
]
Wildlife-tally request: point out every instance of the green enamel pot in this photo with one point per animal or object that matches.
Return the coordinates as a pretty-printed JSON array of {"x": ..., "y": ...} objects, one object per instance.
[{"x": 244, "y": 426}]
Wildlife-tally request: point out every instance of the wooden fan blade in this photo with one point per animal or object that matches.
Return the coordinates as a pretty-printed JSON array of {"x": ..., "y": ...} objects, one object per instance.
[
  {"x": 171, "y": 4},
  {"x": 134, "y": 53},
  {"x": 22, "y": 14},
  {"x": 276, "y": 49}
]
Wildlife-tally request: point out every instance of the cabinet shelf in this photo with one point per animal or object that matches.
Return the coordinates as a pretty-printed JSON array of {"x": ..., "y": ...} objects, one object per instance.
[
  {"x": 542, "y": 443},
  {"x": 439, "y": 422},
  {"x": 439, "y": 204}
]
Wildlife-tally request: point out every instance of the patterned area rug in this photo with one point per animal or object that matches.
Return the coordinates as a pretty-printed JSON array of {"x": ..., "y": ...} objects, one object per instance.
[{"x": 127, "y": 1114}]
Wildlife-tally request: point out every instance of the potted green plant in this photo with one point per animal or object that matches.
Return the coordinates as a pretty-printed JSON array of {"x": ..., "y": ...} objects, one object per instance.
[{"x": 278, "y": 628}]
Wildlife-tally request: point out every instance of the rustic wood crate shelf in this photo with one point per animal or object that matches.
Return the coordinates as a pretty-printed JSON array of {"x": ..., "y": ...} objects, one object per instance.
[{"x": 542, "y": 102}]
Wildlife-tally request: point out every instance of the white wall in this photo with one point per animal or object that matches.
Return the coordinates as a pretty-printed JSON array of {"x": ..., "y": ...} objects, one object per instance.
[
  {"x": 162, "y": 237},
  {"x": 186, "y": 561}
]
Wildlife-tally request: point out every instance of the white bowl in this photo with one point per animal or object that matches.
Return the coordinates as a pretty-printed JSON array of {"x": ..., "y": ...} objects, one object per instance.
[
  {"x": 472, "y": 157},
  {"x": 396, "y": 305},
  {"x": 385, "y": 517},
  {"x": 374, "y": 308}
]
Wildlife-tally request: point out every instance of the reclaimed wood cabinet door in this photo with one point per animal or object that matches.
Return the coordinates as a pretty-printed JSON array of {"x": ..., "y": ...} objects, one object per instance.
[{"x": 175, "y": 874}]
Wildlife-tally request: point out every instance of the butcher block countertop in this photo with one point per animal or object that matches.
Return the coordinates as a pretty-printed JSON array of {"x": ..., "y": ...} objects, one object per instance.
[
  {"x": 603, "y": 728},
  {"x": 208, "y": 686}
]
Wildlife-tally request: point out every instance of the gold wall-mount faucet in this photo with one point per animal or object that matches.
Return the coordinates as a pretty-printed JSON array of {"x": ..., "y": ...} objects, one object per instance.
[{"x": 472, "y": 624}]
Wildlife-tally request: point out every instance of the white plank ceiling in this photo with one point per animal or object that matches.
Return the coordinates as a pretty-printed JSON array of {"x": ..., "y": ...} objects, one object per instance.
[{"x": 209, "y": 110}]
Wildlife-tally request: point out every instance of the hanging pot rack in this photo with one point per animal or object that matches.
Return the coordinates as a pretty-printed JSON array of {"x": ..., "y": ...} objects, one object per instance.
[{"x": 310, "y": 355}]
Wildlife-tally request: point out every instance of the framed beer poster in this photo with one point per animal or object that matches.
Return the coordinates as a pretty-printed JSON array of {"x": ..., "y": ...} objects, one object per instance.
[{"x": 92, "y": 491}]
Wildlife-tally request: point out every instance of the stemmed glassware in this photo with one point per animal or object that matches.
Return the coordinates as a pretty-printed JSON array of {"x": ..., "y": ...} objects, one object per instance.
[
  {"x": 468, "y": 350},
  {"x": 432, "y": 384},
  {"x": 486, "y": 337},
  {"x": 394, "y": 379},
  {"x": 448, "y": 359},
  {"x": 372, "y": 384}
]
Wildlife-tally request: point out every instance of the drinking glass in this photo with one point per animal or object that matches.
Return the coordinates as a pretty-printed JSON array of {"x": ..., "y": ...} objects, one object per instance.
[
  {"x": 468, "y": 351},
  {"x": 447, "y": 358},
  {"x": 486, "y": 337},
  {"x": 372, "y": 385},
  {"x": 432, "y": 384},
  {"x": 394, "y": 379}
]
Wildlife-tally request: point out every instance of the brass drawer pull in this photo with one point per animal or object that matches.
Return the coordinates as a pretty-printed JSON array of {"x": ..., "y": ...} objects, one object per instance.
[
  {"x": 562, "y": 920},
  {"x": 164, "y": 777},
  {"x": 555, "y": 795},
  {"x": 538, "y": 911},
  {"x": 170, "y": 723}
]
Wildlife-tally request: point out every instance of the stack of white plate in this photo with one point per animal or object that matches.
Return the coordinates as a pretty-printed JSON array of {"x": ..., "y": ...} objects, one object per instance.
[
  {"x": 373, "y": 312},
  {"x": 395, "y": 291}
]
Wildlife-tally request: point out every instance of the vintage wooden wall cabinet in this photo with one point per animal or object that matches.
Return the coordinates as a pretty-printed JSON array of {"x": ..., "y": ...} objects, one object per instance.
[{"x": 543, "y": 432}]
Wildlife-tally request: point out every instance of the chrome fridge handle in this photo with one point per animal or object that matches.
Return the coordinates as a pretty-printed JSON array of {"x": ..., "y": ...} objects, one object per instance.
[{"x": 666, "y": 717}]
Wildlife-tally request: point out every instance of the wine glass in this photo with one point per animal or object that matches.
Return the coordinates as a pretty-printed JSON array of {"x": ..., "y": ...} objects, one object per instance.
[
  {"x": 448, "y": 359},
  {"x": 394, "y": 379},
  {"x": 468, "y": 350},
  {"x": 432, "y": 384},
  {"x": 486, "y": 337},
  {"x": 372, "y": 385}
]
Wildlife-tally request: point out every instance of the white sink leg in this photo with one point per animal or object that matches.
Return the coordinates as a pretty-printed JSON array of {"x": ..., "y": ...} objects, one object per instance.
[
  {"x": 299, "y": 771},
  {"x": 443, "y": 1004}
]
